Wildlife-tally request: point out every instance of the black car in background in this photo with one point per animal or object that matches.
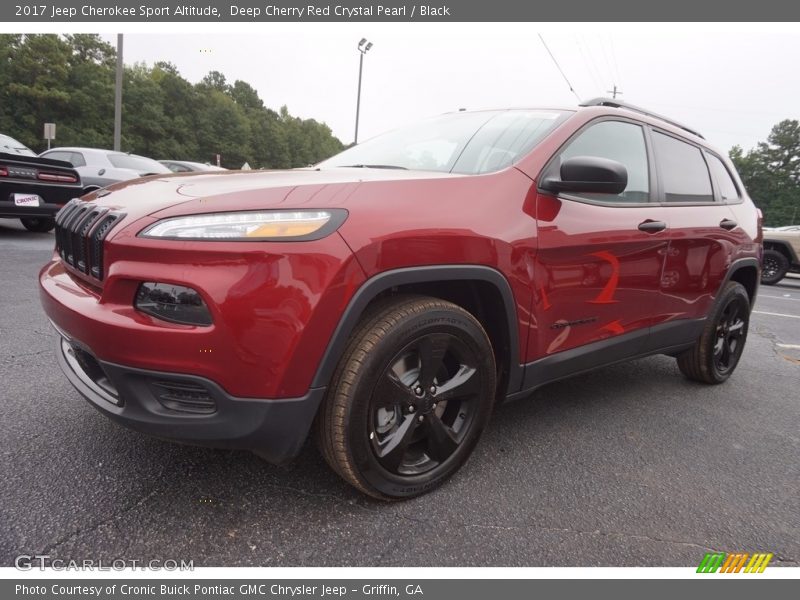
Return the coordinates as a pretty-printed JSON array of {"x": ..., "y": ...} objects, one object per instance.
[{"x": 34, "y": 189}]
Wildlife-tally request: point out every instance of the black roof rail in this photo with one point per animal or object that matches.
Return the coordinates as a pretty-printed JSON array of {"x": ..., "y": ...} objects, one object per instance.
[{"x": 634, "y": 108}]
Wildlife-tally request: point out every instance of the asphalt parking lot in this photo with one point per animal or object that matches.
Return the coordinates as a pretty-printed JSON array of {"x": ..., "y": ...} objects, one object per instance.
[{"x": 631, "y": 465}]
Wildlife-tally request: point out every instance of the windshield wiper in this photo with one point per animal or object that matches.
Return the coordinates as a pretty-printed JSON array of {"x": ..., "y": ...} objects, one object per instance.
[{"x": 375, "y": 167}]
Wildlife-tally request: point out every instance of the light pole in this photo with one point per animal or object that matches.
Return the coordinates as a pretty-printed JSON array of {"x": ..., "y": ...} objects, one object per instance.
[
  {"x": 363, "y": 47},
  {"x": 118, "y": 97}
]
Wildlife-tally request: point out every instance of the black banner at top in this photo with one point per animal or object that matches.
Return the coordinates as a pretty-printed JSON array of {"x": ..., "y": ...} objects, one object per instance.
[{"x": 133, "y": 11}]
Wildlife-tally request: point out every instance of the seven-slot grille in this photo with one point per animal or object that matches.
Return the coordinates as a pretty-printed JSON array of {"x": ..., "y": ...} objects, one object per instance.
[{"x": 81, "y": 228}]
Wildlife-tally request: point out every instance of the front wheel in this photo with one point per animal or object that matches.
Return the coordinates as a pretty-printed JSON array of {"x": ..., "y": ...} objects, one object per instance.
[
  {"x": 715, "y": 355},
  {"x": 409, "y": 399},
  {"x": 774, "y": 267},
  {"x": 38, "y": 224}
]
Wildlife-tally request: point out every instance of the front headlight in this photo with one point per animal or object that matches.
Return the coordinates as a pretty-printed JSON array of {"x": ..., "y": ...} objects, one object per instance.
[{"x": 263, "y": 225}]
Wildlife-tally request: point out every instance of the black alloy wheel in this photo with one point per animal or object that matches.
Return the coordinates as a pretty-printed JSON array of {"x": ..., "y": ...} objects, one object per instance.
[
  {"x": 409, "y": 399},
  {"x": 774, "y": 267},
  {"x": 716, "y": 353},
  {"x": 423, "y": 404},
  {"x": 731, "y": 332}
]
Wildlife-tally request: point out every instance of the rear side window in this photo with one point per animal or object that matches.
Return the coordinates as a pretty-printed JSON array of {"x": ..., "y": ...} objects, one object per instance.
[
  {"x": 683, "y": 170},
  {"x": 77, "y": 160},
  {"x": 59, "y": 155},
  {"x": 622, "y": 142},
  {"x": 727, "y": 188}
]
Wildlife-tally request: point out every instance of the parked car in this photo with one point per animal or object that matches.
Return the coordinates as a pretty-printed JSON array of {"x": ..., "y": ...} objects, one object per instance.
[
  {"x": 187, "y": 166},
  {"x": 781, "y": 254},
  {"x": 100, "y": 168},
  {"x": 395, "y": 292},
  {"x": 33, "y": 189}
]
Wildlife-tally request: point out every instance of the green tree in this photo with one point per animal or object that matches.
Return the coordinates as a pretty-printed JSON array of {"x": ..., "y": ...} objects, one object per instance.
[
  {"x": 69, "y": 80},
  {"x": 771, "y": 173}
]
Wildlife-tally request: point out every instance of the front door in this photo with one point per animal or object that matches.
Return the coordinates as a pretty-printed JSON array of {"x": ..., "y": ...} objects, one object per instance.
[{"x": 600, "y": 256}]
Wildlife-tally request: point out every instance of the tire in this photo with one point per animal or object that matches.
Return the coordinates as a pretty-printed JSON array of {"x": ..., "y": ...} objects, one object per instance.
[
  {"x": 38, "y": 224},
  {"x": 409, "y": 399},
  {"x": 715, "y": 355},
  {"x": 774, "y": 266}
]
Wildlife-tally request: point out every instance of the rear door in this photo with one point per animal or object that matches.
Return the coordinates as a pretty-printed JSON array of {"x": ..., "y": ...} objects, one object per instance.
[
  {"x": 600, "y": 256},
  {"x": 702, "y": 230}
]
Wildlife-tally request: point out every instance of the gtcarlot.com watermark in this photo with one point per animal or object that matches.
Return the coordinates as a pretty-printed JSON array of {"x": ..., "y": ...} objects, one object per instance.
[{"x": 43, "y": 562}]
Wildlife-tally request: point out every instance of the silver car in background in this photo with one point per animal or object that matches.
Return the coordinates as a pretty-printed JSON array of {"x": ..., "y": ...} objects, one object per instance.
[
  {"x": 188, "y": 166},
  {"x": 99, "y": 168}
]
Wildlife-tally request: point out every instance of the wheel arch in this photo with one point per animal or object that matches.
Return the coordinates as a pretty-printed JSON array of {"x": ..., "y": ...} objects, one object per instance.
[
  {"x": 465, "y": 285},
  {"x": 784, "y": 248},
  {"x": 746, "y": 271}
]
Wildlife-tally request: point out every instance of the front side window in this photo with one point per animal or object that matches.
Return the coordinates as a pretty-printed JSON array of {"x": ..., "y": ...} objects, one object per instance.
[
  {"x": 622, "y": 142},
  {"x": 683, "y": 170},
  {"x": 463, "y": 142}
]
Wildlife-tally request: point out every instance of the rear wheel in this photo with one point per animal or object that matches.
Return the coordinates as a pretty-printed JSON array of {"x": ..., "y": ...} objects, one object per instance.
[
  {"x": 410, "y": 398},
  {"x": 38, "y": 224},
  {"x": 774, "y": 266},
  {"x": 715, "y": 355}
]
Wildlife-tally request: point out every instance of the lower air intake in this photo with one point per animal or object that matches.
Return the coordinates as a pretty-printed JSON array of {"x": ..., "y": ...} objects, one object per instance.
[{"x": 183, "y": 396}]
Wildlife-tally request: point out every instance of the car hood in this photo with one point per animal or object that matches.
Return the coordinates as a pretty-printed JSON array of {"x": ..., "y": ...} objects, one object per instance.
[
  {"x": 793, "y": 237},
  {"x": 171, "y": 195}
]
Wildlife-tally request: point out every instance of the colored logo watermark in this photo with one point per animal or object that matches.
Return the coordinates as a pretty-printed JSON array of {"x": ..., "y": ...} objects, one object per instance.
[{"x": 726, "y": 562}]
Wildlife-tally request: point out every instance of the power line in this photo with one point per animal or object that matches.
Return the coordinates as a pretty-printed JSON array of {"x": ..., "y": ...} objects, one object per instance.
[
  {"x": 614, "y": 77},
  {"x": 614, "y": 57},
  {"x": 593, "y": 64},
  {"x": 586, "y": 64},
  {"x": 560, "y": 70}
]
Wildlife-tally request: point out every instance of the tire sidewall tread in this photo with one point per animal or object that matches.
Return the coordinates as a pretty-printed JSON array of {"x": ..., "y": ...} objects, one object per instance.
[{"x": 345, "y": 411}]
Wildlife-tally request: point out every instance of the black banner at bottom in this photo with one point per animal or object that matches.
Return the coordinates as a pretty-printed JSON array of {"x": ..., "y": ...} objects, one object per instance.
[{"x": 363, "y": 589}]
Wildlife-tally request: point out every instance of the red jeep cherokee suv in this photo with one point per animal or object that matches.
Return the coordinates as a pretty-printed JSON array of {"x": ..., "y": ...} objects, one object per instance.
[{"x": 394, "y": 293}]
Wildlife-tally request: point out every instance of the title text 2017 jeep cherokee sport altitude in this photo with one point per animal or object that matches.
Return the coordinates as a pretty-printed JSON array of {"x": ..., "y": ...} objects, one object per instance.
[{"x": 392, "y": 294}]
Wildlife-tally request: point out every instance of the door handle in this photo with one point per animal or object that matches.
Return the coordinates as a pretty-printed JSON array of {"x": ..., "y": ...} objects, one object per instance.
[
  {"x": 728, "y": 224},
  {"x": 650, "y": 226}
]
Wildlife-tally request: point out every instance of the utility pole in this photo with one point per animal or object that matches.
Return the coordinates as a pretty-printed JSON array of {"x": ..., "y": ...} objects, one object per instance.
[
  {"x": 614, "y": 92},
  {"x": 118, "y": 97}
]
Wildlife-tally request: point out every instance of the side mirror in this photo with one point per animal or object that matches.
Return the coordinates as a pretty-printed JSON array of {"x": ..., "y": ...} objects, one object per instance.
[{"x": 589, "y": 174}]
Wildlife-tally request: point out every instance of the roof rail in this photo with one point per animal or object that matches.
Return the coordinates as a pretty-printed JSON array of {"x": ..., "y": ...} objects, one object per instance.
[{"x": 631, "y": 107}]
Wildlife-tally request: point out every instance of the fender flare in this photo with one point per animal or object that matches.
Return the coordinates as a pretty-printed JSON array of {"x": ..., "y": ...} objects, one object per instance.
[
  {"x": 740, "y": 264},
  {"x": 793, "y": 259},
  {"x": 381, "y": 282}
]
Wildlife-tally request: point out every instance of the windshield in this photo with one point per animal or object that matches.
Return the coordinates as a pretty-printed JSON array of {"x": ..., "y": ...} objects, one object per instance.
[
  {"x": 470, "y": 143},
  {"x": 140, "y": 164},
  {"x": 12, "y": 146}
]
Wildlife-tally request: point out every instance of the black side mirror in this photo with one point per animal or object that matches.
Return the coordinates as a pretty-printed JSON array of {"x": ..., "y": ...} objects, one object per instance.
[{"x": 589, "y": 174}]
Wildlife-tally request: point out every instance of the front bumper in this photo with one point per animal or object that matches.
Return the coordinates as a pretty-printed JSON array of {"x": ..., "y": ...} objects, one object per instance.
[{"x": 188, "y": 408}]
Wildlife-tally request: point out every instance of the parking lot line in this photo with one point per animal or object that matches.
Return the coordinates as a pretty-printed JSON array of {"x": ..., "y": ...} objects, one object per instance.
[
  {"x": 787, "y": 297},
  {"x": 772, "y": 314}
]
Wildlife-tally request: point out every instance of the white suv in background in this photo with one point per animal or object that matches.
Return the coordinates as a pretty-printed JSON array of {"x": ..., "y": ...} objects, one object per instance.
[{"x": 781, "y": 254}]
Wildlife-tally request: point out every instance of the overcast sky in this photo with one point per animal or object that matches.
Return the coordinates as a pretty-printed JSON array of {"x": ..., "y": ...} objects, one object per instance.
[{"x": 730, "y": 82}]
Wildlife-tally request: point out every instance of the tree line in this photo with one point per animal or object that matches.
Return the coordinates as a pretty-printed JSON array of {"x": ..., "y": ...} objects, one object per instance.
[
  {"x": 69, "y": 80},
  {"x": 771, "y": 173}
]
